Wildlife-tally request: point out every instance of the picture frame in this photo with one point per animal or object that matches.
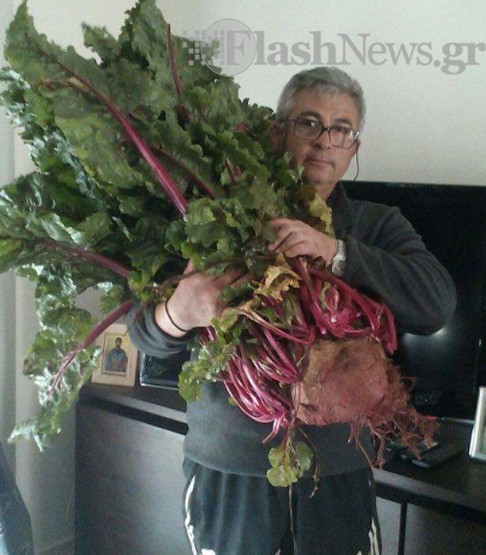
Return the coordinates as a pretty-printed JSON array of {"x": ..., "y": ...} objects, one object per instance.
[
  {"x": 117, "y": 363},
  {"x": 477, "y": 447}
]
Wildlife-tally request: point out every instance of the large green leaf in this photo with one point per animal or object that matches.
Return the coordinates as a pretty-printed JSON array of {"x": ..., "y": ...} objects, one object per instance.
[{"x": 96, "y": 212}]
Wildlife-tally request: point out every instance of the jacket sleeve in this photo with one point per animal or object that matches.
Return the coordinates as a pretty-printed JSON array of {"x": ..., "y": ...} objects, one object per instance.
[
  {"x": 151, "y": 340},
  {"x": 389, "y": 260}
]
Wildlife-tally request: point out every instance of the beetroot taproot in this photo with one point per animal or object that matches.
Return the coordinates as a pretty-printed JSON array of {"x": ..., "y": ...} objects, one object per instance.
[{"x": 341, "y": 381}]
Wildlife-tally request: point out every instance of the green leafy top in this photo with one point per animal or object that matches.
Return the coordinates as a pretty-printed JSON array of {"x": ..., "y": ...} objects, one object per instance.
[{"x": 102, "y": 132}]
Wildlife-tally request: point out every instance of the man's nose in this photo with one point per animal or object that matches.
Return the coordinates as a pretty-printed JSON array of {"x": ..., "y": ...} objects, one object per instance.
[{"x": 324, "y": 140}]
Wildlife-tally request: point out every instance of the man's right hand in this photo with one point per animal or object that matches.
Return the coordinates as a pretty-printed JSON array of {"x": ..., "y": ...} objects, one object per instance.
[{"x": 195, "y": 301}]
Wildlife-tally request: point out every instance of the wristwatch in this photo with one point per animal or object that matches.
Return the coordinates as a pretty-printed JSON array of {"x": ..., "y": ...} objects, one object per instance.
[{"x": 338, "y": 263}]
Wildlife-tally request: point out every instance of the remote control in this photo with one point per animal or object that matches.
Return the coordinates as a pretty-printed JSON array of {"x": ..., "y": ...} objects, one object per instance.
[
  {"x": 437, "y": 455},
  {"x": 408, "y": 455}
]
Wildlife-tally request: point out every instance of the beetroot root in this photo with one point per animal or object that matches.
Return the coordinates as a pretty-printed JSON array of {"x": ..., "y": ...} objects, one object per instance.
[
  {"x": 341, "y": 381},
  {"x": 354, "y": 382}
]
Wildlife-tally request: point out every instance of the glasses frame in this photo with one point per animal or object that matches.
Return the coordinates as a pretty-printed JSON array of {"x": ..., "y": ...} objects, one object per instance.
[{"x": 356, "y": 134}]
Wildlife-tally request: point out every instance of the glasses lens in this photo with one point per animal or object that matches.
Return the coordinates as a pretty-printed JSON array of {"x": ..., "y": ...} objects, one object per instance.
[
  {"x": 307, "y": 128},
  {"x": 342, "y": 137},
  {"x": 310, "y": 129}
]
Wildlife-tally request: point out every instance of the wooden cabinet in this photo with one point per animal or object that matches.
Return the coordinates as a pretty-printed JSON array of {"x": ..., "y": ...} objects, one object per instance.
[
  {"x": 429, "y": 532},
  {"x": 129, "y": 484},
  {"x": 434, "y": 511}
]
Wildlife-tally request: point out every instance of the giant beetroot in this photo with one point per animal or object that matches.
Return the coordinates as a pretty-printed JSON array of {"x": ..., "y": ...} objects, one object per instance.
[
  {"x": 328, "y": 365},
  {"x": 125, "y": 143}
]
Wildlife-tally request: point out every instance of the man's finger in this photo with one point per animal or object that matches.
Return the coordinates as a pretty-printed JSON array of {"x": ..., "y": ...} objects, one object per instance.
[
  {"x": 246, "y": 278},
  {"x": 279, "y": 222},
  {"x": 229, "y": 277},
  {"x": 190, "y": 267}
]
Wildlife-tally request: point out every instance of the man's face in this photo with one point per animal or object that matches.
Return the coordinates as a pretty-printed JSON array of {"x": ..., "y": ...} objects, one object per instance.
[{"x": 323, "y": 164}]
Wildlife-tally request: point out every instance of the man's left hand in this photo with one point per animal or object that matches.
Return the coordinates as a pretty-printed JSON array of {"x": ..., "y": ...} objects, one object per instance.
[{"x": 296, "y": 238}]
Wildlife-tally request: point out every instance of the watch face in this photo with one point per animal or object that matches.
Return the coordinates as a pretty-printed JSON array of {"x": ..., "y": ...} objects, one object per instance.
[
  {"x": 338, "y": 267},
  {"x": 339, "y": 261}
]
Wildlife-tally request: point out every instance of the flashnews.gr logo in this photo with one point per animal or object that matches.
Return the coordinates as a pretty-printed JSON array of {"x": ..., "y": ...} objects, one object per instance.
[
  {"x": 235, "y": 50},
  {"x": 235, "y": 47}
]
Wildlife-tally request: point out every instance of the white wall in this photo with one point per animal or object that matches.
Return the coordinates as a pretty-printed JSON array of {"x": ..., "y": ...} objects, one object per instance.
[{"x": 422, "y": 125}]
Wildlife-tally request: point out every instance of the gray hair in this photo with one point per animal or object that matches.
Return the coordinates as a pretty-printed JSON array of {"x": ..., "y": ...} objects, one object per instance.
[{"x": 326, "y": 80}]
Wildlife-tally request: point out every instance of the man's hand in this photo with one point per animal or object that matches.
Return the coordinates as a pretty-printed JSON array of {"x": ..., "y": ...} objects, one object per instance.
[
  {"x": 295, "y": 238},
  {"x": 195, "y": 301}
]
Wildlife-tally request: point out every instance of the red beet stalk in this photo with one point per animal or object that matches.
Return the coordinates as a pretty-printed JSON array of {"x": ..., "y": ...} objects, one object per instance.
[
  {"x": 255, "y": 375},
  {"x": 157, "y": 168}
]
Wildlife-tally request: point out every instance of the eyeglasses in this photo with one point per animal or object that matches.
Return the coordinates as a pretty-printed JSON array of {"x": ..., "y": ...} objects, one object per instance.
[{"x": 311, "y": 129}]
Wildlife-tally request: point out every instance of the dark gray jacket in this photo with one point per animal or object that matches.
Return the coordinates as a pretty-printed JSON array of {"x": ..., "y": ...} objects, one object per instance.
[{"x": 385, "y": 257}]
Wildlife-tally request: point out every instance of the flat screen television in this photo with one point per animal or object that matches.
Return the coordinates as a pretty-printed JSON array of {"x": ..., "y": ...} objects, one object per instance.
[{"x": 450, "y": 365}]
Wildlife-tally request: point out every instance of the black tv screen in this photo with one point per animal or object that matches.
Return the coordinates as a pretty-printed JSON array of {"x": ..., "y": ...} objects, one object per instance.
[{"x": 450, "y": 365}]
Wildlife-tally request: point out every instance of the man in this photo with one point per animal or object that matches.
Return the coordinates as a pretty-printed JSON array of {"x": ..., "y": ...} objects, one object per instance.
[
  {"x": 230, "y": 508},
  {"x": 116, "y": 359}
]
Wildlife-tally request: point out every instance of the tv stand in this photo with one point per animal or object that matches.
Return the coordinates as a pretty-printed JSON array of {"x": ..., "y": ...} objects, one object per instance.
[
  {"x": 454, "y": 489},
  {"x": 129, "y": 483}
]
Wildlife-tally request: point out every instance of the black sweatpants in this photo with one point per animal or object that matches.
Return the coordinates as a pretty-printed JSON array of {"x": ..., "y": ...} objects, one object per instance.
[{"x": 229, "y": 514}]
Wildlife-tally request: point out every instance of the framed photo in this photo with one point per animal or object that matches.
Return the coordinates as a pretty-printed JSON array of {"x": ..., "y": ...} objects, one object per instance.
[
  {"x": 477, "y": 447},
  {"x": 117, "y": 363}
]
